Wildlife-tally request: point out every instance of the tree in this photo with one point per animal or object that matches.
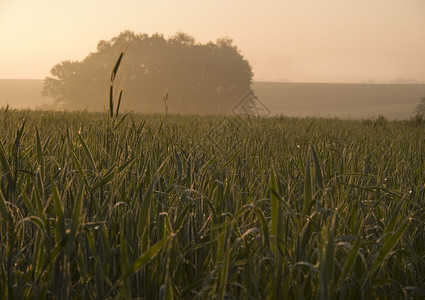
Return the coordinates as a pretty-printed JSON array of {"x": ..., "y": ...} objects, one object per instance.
[{"x": 199, "y": 78}]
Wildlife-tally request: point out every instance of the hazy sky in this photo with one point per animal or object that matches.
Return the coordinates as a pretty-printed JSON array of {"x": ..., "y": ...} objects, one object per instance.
[{"x": 299, "y": 41}]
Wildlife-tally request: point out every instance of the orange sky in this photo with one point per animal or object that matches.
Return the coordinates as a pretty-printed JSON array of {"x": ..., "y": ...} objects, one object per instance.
[{"x": 300, "y": 41}]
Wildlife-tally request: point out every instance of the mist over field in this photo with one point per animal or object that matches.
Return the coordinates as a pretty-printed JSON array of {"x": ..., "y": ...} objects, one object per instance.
[{"x": 355, "y": 101}]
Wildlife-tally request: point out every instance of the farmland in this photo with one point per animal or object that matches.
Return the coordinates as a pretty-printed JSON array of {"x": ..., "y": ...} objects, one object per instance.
[
  {"x": 341, "y": 100},
  {"x": 350, "y": 101},
  {"x": 182, "y": 206}
]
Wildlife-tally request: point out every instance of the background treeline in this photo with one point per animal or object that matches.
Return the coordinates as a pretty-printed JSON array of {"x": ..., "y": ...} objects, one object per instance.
[{"x": 194, "y": 77}]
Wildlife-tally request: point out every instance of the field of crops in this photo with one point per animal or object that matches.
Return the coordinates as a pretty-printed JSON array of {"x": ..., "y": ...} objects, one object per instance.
[{"x": 169, "y": 206}]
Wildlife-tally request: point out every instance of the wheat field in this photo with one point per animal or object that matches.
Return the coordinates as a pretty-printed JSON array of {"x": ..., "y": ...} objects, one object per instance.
[{"x": 181, "y": 207}]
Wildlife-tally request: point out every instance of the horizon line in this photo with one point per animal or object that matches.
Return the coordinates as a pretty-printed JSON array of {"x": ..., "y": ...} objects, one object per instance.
[{"x": 286, "y": 81}]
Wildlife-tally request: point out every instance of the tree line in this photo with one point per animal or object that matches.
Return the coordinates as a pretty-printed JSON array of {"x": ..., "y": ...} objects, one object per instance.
[{"x": 179, "y": 73}]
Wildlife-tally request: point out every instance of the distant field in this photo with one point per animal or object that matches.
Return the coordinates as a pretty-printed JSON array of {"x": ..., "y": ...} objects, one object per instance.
[
  {"x": 22, "y": 93},
  {"x": 394, "y": 101}
]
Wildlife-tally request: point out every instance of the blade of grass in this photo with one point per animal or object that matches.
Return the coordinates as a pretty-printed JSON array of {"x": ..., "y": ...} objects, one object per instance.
[
  {"x": 318, "y": 169},
  {"x": 60, "y": 226},
  {"x": 308, "y": 196},
  {"x": 111, "y": 88},
  {"x": 40, "y": 158},
  {"x": 143, "y": 259},
  {"x": 351, "y": 258},
  {"x": 6, "y": 167},
  {"x": 275, "y": 208},
  {"x": 119, "y": 103},
  {"x": 4, "y": 211},
  {"x": 87, "y": 152},
  {"x": 388, "y": 246}
]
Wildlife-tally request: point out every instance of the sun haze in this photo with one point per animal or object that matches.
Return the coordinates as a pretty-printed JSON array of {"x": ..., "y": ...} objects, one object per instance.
[{"x": 299, "y": 41}]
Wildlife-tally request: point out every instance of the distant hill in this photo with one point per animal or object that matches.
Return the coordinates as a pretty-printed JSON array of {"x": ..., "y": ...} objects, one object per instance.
[{"x": 394, "y": 101}]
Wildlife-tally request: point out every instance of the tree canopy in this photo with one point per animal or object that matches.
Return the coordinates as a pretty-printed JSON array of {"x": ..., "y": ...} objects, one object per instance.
[{"x": 198, "y": 78}]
